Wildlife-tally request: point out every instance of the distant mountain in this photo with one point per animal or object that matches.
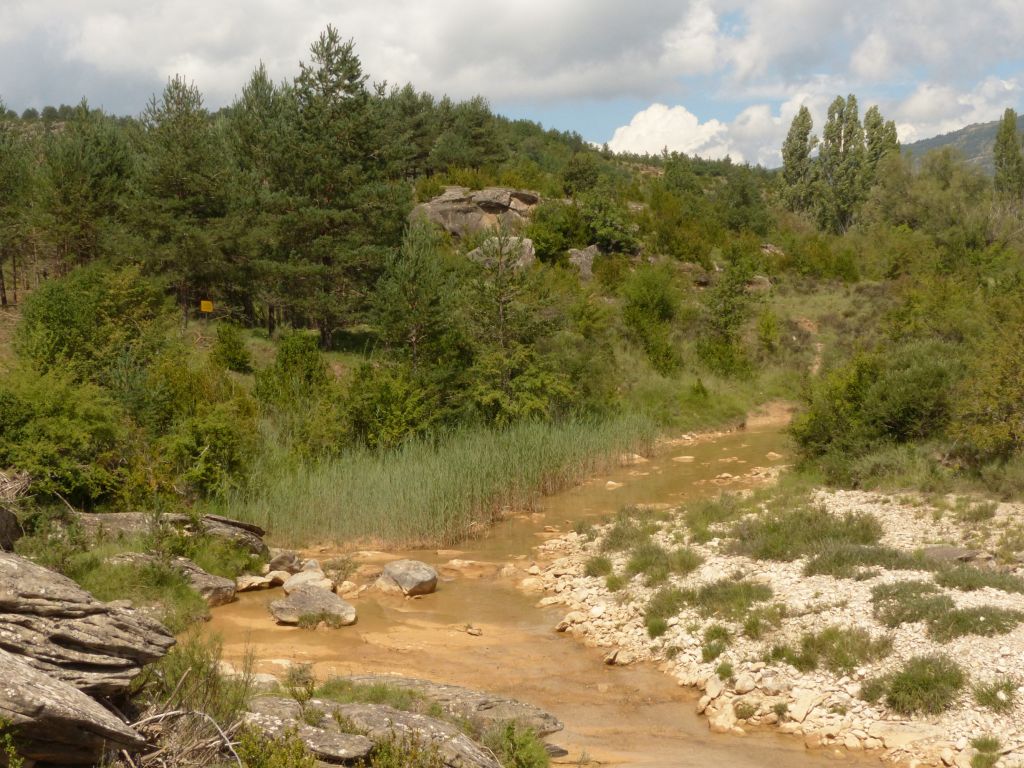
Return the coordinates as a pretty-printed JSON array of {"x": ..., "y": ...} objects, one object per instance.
[{"x": 974, "y": 142}]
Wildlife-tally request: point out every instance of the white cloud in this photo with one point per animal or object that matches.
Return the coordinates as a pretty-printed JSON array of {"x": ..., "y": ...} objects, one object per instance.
[{"x": 675, "y": 128}]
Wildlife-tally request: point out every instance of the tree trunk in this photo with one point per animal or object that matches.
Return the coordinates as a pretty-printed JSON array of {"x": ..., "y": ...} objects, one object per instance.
[{"x": 3, "y": 288}]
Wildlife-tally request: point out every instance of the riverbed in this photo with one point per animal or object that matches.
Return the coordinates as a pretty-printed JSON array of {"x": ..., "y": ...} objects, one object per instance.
[{"x": 481, "y": 630}]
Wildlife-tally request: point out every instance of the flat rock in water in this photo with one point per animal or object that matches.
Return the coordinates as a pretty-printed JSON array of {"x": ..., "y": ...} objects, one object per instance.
[
  {"x": 250, "y": 583},
  {"x": 54, "y": 721},
  {"x": 215, "y": 590},
  {"x": 311, "y": 601},
  {"x": 410, "y": 577},
  {"x": 60, "y": 629},
  {"x": 376, "y": 723},
  {"x": 307, "y": 579},
  {"x": 469, "y": 704}
]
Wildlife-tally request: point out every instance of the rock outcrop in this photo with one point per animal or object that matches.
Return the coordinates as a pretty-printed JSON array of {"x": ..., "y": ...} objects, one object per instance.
[
  {"x": 410, "y": 577},
  {"x": 479, "y": 706},
  {"x": 136, "y": 524},
  {"x": 54, "y": 721},
  {"x": 10, "y": 529},
  {"x": 310, "y": 578},
  {"x": 461, "y": 211},
  {"x": 61, "y": 630},
  {"x": 215, "y": 590},
  {"x": 372, "y": 722},
  {"x": 519, "y": 252},
  {"x": 311, "y": 600},
  {"x": 583, "y": 260}
]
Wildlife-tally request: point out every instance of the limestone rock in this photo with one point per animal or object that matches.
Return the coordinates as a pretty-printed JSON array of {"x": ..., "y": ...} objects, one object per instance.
[
  {"x": 215, "y": 590},
  {"x": 274, "y": 716},
  {"x": 519, "y": 249},
  {"x": 312, "y": 600},
  {"x": 135, "y": 524},
  {"x": 62, "y": 630},
  {"x": 307, "y": 579},
  {"x": 473, "y": 705},
  {"x": 461, "y": 211},
  {"x": 286, "y": 561},
  {"x": 410, "y": 577},
  {"x": 583, "y": 260},
  {"x": 54, "y": 721},
  {"x": 249, "y": 583}
]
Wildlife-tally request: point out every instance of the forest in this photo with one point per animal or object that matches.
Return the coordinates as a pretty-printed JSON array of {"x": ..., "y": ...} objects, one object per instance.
[{"x": 352, "y": 347}]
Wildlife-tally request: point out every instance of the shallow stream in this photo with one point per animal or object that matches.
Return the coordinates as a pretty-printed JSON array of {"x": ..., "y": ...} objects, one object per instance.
[{"x": 615, "y": 716}]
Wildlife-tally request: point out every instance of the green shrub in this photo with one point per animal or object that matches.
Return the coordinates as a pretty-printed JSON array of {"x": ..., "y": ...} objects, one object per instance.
[
  {"x": 985, "y": 621},
  {"x": 845, "y": 561},
  {"x": 72, "y": 439},
  {"x": 626, "y": 534},
  {"x": 908, "y": 601},
  {"x": 989, "y": 420},
  {"x": 85, "y": 323},
  {"x": 657, "y": 564},
  {"x": 759, "y": 620},
  {"x": 925, "y": 685},
  {"x": 298, "y": 372},
  {"x": 966, "y": 578},
  {"x": 598, "y": 566},
  {"x": 407, "y": 751},
  {"x": 744, "y": 710},
  {"x": 728, "y": 598},
  {"x": 701, "y": 515},
  {"x": 837, "y": 649},
  {"x": 288, "y": 750},
  {"x": 386, "y": 406},
  {"x": 724, "y": 671},
  {"x": 615, "y": 582},
  {"x": 997, "y": 695},
  {"x": 229, "y": 349},
  {"x": 792, "y": 534},
  {"x": 650, "y": 304},
  {"x": 516, "y": 746}
]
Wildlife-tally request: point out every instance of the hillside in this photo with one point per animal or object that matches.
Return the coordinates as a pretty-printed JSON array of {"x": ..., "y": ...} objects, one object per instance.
[{"x": 973, "y": 141}]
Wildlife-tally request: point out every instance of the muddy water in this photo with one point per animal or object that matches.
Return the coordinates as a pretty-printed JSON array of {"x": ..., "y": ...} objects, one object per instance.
[{"x": 635, "y": 716}]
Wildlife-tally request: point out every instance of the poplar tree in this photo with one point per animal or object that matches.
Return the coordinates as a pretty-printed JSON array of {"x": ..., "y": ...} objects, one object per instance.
[
  {"x": 881, "y": 139},
  {"x": 841, "y": 161},
  {"x": 797, "y": 163},
  {"x": 1009, "y": 164}
]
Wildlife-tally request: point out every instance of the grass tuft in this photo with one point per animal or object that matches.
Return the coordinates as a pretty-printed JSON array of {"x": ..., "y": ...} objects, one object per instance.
[
  {"x": 835, "y": 648},
  {"x": 925, "y": 685},
  {"x": 969, "y": 579},
  {"x": 792, "y": 534},
  {"x": 997, "y": 695},
  {"x": 657, "y": 564},
  {"x": 598, "y": 566},
  {"x": 702, "y": 515}
]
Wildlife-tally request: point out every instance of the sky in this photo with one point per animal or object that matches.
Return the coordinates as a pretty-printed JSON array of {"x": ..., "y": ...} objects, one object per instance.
[{"x": 704, "y": 77}]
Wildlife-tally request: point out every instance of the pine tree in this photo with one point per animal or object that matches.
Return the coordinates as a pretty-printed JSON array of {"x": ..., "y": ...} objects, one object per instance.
[
  {"x": 841, "y": 161},
  {"x": 880, "y": 136},
  {"x": 1009, "y": 164},
  {"x": 797, "y": 163}
]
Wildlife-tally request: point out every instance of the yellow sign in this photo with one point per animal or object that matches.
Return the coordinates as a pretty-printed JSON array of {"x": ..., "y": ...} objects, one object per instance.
[{"x": 206, "y": 306}]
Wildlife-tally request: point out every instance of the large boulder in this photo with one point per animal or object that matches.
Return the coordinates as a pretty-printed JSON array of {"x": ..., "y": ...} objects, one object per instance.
[
  {"x": 313, "y": 601},
  {"x": 519, "y": 252},
  {"x": 410, "y": 577},
  {"x": 285, "y": 561},
  {"x": 375, "y": 722},
  {"x": 54, "y": 721},
  {"x": 120, "y": 525},
  {"x": 464, "y": 703},
  {"x": 215, "y": 590},
  {"x": 60, "y": 629},
  {"x": 461, "y": 211}
]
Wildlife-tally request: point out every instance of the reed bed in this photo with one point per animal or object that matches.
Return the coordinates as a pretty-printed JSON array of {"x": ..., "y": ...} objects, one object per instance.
[{"x": 434, "y": 492}]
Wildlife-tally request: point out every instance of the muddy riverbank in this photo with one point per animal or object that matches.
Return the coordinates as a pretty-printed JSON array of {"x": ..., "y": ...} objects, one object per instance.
[{"x": 614, "y": 715}]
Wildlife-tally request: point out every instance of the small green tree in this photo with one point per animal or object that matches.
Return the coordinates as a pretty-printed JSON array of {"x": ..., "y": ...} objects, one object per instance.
[
  {"x": 1009, "y": 179},
  {"x": 797, "y": 163}
]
